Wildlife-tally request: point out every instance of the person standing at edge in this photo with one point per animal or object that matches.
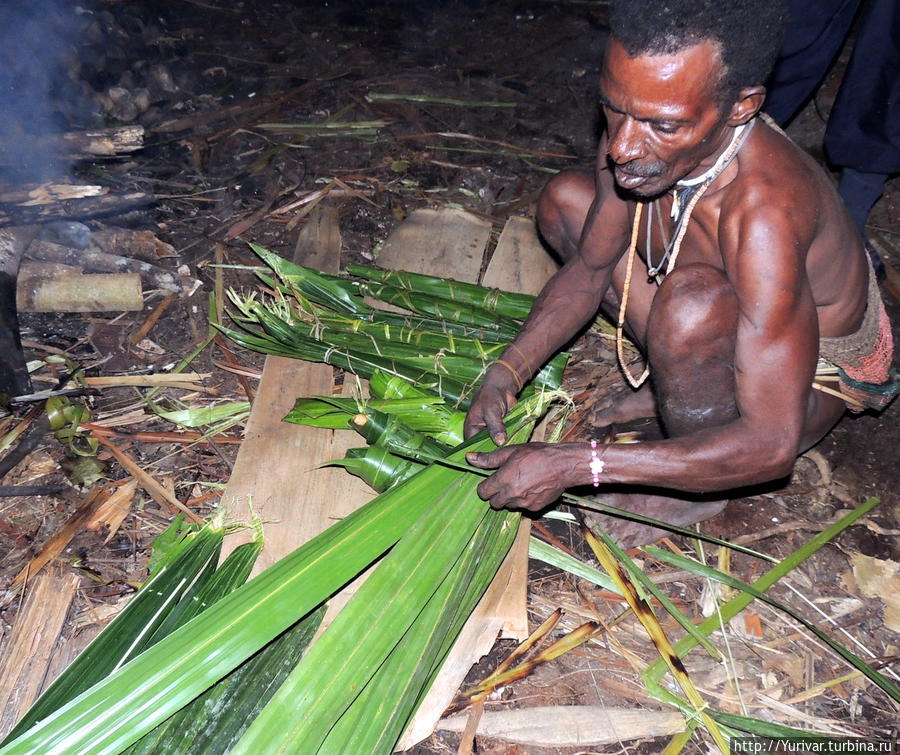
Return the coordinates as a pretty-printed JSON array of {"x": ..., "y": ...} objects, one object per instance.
[{"x": 723, "y": 251}]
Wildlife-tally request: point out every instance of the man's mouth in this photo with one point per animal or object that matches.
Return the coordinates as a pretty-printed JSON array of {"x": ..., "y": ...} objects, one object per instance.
[
  {"x": 629, "y": 180},
  {"x": 630, "y": 176}
]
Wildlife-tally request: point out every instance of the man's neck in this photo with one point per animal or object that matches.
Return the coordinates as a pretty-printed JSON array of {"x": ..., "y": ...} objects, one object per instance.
[{"x": 723, "y": 156}]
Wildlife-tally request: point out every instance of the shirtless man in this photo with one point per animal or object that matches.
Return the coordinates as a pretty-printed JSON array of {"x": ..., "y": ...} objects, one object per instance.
[{"x": 730, "y": 324}]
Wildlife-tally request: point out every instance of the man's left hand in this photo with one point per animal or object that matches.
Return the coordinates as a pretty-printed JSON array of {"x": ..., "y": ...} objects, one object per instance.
[{"x": 526, "y": 476}]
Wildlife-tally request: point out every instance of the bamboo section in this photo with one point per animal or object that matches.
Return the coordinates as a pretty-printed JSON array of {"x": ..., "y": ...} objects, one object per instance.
[
  {"x": 40, "y": 291},
  {"x": 26, "y": 657}
]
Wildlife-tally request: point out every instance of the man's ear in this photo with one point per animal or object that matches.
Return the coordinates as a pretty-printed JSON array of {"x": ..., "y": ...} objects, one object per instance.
[{"x": 748, "y": 103}]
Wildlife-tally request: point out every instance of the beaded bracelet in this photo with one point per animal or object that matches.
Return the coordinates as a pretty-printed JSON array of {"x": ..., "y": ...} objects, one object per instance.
[{"x": 596, "y": 464}]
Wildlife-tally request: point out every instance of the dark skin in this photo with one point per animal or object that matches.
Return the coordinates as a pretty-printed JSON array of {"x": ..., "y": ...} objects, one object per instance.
[{"x": 770, "y": 261}]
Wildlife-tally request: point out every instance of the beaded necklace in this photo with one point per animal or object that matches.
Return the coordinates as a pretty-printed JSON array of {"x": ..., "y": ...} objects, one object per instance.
[{"x": 685, "y": 195}]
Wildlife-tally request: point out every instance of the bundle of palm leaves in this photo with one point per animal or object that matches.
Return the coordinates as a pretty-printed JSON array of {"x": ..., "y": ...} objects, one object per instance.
[{"x": 437, "y": 544}]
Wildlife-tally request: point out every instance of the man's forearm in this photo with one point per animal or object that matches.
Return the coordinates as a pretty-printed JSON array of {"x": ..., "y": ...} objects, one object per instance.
[
  {"x": 715, "y": 459},
  {"x": 569, "y": 300}
]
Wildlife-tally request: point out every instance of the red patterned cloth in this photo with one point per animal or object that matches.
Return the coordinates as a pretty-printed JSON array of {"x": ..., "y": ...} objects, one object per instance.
[{"x": 870, "y": 379}]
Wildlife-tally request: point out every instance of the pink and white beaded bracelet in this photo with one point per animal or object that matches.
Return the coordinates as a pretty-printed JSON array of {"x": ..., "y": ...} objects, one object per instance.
[{"x": 596, "y": 464}]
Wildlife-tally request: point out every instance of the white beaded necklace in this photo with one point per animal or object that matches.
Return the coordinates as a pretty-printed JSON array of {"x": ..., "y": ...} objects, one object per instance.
[{"x": 686, "y": 193}]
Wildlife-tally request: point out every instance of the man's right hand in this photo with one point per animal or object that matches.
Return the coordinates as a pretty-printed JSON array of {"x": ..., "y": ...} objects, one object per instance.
[{"x": 495, "y": 397}]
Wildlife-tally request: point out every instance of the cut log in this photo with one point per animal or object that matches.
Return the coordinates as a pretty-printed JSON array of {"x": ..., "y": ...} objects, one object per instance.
[
  {"x": 26, "y": 657},
  {"x": 43, "y": 289},
  {"x": 52, "y": 204}
]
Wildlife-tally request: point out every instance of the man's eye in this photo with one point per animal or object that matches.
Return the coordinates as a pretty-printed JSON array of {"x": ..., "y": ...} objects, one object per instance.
[{"x": 665, "y": 128}]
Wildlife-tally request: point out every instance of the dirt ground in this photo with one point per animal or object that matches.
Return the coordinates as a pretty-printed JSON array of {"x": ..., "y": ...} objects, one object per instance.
[{"x": 521, "y": 80}]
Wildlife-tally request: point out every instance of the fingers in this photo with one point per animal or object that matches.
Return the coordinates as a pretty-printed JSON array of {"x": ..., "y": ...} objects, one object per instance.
[
  {"x": 490, "y": 419},
  {"x": 490, "y": 459},
  {"x": 496, "y": 429},
  {"x": 471, "y": 426}
]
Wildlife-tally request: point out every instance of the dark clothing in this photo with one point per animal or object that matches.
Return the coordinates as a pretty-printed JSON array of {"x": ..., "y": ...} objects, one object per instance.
[
  {"x": 815, "y": 32},
  {"x": 863, "y": 131},
  {"x": 864, "y": 128}
]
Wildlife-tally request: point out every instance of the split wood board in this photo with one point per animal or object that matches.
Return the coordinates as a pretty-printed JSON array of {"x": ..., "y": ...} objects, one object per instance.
[
  {"x": 276, "y": 475},
  {"x": 519, "y": 263},
  {"x": 447, "y": 243},
  {"x": 26, "y": 658}
]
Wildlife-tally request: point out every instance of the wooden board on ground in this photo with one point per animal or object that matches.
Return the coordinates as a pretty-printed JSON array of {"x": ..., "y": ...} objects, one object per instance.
[
  {"x": 519, "y": 263},
  {"x": 276, "y": 475},
  {"x": 27, "y": 655},
  {"x": 448, "y": 243}
]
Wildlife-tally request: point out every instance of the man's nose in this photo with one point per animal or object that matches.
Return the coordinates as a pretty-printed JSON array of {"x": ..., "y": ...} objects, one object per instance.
[{"x": 625, "y": 143}]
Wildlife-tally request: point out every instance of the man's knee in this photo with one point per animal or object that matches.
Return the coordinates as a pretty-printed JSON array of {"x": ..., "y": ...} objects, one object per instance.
[
  {"x": 695, "y": 303},
  {"x": 562, "y": 208}
]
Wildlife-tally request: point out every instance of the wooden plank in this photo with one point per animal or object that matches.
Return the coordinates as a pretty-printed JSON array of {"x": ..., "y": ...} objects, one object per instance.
[
  {"x": 276, "y": 475},
  {"x": 26, "y": 657},
  {"x": 519, "y": 263},
  {"x": 447, "y": 243}
]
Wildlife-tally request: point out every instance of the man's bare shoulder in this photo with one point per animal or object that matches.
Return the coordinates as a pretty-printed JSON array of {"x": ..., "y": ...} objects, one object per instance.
[
  {"x": 782, "y": 212},
  {"x": 775, "y": 172}
]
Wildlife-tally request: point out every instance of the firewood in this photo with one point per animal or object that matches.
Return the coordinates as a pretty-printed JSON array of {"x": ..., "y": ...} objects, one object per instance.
[
  {"x": 26, "y": 657},
  {"x": 14, "y": 378},
  {"x": 142, "y": 245},
  {"x": 100, "y": 262},
  {"x": 90, "y": 144},
  {"x": 32, "y": 195},
  {"x": 53, "y": 201},
  {"x": 105, "y": 142}
]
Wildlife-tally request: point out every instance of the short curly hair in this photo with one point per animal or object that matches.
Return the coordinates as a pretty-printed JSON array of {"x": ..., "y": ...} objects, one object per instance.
[{"x": 748, "y": 32}]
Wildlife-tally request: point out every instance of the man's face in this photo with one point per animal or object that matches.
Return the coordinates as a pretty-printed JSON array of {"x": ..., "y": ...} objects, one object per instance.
[{"x": 663, "y": 117}]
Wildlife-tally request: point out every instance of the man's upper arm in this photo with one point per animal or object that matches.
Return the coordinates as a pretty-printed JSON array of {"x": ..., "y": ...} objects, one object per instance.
[{"x": 777, "y": 337}]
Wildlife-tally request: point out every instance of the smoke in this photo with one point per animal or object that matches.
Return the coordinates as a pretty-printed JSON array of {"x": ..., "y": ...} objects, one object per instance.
[{"x": 38, "y": 50}]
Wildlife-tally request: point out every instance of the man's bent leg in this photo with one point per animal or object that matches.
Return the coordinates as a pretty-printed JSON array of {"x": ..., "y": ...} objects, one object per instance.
[
  {"x": 691, "y": 336},
  {"x": 691, "y": 332},
  {"x": 562, "y": 209}
]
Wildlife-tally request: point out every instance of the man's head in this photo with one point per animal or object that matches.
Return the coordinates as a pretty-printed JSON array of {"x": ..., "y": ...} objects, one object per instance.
[
  {"x": 678, "y": 76},
  {"x": 747, "y": 33}
]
